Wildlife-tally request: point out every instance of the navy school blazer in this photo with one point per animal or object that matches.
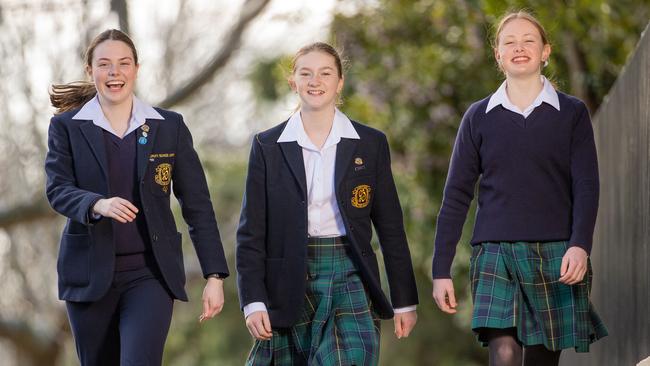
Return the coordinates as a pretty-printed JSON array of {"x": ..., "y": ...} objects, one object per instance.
[
  {"x": 272, "y": 234},
  {"x": 77, "y": 176}
]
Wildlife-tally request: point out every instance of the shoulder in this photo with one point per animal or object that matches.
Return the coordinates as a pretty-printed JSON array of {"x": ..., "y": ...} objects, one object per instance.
[
  {"x": 368, "y": 134},
  {"x": 477, "y": 108},
  {"x": 66, "y": 117},
  {"x": 170, "y": 116},
  {"x": 571, "y": 103},
  {"x": 271, "y": 136}
]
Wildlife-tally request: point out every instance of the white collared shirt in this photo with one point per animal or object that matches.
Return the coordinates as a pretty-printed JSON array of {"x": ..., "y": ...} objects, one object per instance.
[
  {"x": 140, "y": 111},
  {"x": 323, "y": 215},
  {"x": 547, "y": 95}
]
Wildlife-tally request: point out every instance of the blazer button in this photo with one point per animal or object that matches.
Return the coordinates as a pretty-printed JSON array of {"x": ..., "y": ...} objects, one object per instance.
[
  {"x": 364, "y": 253},
  {"x": 154, "y": 237}
]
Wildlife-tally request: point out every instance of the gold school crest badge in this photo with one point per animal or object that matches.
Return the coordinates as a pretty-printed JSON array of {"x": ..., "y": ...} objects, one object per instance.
[
  {"x": 361, "y": 196},
  {"x": 164, "y": 176}
]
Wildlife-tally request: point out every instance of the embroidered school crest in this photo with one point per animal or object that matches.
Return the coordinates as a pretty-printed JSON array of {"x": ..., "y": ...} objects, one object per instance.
[
  {"x": 164, "y": 176},
  {"x": 361, "y": 196}
]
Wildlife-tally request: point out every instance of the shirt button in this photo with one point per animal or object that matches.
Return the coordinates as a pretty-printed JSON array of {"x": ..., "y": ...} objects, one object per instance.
[{"x": 154, "y": 237}]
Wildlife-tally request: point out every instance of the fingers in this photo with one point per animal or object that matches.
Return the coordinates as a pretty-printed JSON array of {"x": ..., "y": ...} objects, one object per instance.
[
  {"x": 564, "y": 266},
  {"x": 266, "y": 323},
  {"x": 259, "y": 325},
  {"x": 206, "y": 310},
  {"x": 445, "y": 298},
  {"x": 404, "y": 323},
  {"x": 573, "y": 269},
  {"x": 119, "y": 209},
  {"x": 398, "y": 326}
]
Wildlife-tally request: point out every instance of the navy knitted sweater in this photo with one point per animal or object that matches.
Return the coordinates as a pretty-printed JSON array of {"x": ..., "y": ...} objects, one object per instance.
[{"x": 538, "y": 178}]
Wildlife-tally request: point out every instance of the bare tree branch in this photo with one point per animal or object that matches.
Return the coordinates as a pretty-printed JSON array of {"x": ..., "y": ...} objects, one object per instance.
[
  {"x": 578, "y": 71},
  {"x": 122, "y": 10},
  {"x": 250, "y": 10}
]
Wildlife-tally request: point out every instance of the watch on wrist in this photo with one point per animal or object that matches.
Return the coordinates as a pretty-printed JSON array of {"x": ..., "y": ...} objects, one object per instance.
[{"x": 215, "y": 275}]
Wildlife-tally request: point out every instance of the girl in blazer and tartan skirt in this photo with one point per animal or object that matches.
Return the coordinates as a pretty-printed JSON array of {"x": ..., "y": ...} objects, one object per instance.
[
  {"x": 533, "y": 149},
  {"x": 111, "y": 166},
  {"x": 308, "y": 277}
]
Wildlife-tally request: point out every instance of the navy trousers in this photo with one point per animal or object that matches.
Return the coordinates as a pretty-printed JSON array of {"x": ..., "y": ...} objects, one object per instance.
[{"x": 128, "y": 326}]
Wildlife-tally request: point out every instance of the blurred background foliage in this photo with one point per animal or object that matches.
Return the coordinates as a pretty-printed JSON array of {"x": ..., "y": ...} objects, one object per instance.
[{"x": 413, "y": 68}]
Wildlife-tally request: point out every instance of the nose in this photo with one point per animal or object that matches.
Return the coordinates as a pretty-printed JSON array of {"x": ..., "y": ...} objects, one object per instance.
[
  {"x": 112, "y": 70},
  {"x": 314, "y": 80},
  {"x": 519, "y": 47}
]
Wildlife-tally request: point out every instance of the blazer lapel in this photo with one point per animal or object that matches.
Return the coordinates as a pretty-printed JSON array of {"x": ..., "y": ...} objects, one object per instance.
[
  {"x": 145, "y": 144},
  {"x": 95, "y": 138},
  {"x": 293, "y": 154},
  {"x": 345, "y": 150}
]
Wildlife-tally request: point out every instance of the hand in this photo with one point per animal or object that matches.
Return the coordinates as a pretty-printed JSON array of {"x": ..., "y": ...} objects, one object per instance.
[
  {"x": 212, "y": 298},
  {"x": 443, "y": 294},
  {"x": 259, "y": 325},
  {"x": 574, "y": 266},
  {"x": 116, "y": 208},
  {"x": 404, "y": 323}
]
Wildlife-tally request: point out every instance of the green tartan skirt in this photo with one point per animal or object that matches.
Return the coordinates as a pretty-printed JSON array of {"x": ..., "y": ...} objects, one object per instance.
[
  {"x": 516, "y": 285},
  {"x": 336, "y": 327}
]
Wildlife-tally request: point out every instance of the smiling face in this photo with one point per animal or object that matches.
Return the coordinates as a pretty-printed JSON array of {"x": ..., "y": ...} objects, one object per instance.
[
  {"x": 316, "y": 80},
  {"x": 520, "y": 49},
  {"x": 114, "y": 70}
]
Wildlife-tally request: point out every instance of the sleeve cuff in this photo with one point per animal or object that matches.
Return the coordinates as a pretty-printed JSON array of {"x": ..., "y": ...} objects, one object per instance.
[
  {"x": 405, "y": 309},
  {"x": 253, "y": 307}
]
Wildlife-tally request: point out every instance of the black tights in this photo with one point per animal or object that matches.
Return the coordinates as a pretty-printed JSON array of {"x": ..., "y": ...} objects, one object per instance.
[{"x": 506, "y": 350}]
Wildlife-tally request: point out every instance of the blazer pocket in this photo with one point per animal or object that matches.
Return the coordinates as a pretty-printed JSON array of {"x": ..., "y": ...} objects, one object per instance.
[
  {"x": 359, "y": 195},
  {"x": 73, "y": 263},
  {"x": 161, "y": 176},
  {"x": 274, "y": 275}
]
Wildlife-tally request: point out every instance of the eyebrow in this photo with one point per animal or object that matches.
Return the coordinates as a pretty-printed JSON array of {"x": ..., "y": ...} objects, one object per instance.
[
  {"x": 322, "y": 68},
  {"x": 525, "y": 34},
  {"x": 121, "y": 59}
]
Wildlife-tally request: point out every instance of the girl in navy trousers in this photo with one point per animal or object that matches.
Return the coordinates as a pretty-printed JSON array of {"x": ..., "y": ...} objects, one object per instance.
[
  {"x": 112, "y": 163},
  {"x": 308, "y": 276},
  {"x": 533, "y": 149}
]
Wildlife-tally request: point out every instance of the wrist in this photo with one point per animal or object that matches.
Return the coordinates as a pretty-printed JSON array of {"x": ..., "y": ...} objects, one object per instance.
[{"x": 214, "y": 277}]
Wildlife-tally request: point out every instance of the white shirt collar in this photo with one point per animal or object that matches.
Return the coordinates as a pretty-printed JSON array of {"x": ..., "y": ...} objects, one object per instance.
[
  {"x": 140, "y": 112},
  {"x": 341, "y": 128},
  {"x": 547, "y": 95}
]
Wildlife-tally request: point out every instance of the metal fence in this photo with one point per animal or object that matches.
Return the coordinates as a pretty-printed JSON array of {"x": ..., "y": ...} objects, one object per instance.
[{"x": 621, "y": 254}]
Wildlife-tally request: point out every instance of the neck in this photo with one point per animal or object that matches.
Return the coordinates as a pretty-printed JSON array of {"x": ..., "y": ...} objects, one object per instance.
[
  {"x": 522, "y": 91},
  {"x": 317, "y": 124},
  {"x": 118, "y": 115}
]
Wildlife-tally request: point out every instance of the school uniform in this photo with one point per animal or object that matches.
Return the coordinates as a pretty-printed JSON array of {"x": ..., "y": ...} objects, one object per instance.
[
  {"x": 303, "y": 244},
  {"x": 537, "y": 197},
  {"x": 119, "y": 280}
]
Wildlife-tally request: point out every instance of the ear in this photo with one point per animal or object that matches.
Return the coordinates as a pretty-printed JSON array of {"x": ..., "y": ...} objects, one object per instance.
[
  {"x": 497, "y": 56},
  {"x": 339, "y": 86},
  {"x": 89, "y": 71},
  {"x": 546, "y": 52},
  {"x": 292, "y": 83}
]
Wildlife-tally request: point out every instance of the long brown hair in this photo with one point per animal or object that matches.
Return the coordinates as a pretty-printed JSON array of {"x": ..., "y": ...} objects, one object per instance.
[{"x": 65, "y": 97}]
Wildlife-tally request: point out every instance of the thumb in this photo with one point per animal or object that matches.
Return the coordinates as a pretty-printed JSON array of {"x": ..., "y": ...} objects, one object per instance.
[
  {"x": 266, "y": 322},
  {"x": 565, "y": 265},
  {"x": 452, "y": 297},
  {"x": 399, "y": 330}
]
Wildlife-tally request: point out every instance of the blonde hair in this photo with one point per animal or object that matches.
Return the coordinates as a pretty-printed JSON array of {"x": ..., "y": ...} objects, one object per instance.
[
  {"x": 520, "y": 14},
  {"x": 65, "y": 97}
]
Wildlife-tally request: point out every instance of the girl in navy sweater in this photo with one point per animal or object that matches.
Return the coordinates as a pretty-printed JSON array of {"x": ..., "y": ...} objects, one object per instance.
[
  {"x": 533, "y": 149},
  {"x": 112, "y": 164}
]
